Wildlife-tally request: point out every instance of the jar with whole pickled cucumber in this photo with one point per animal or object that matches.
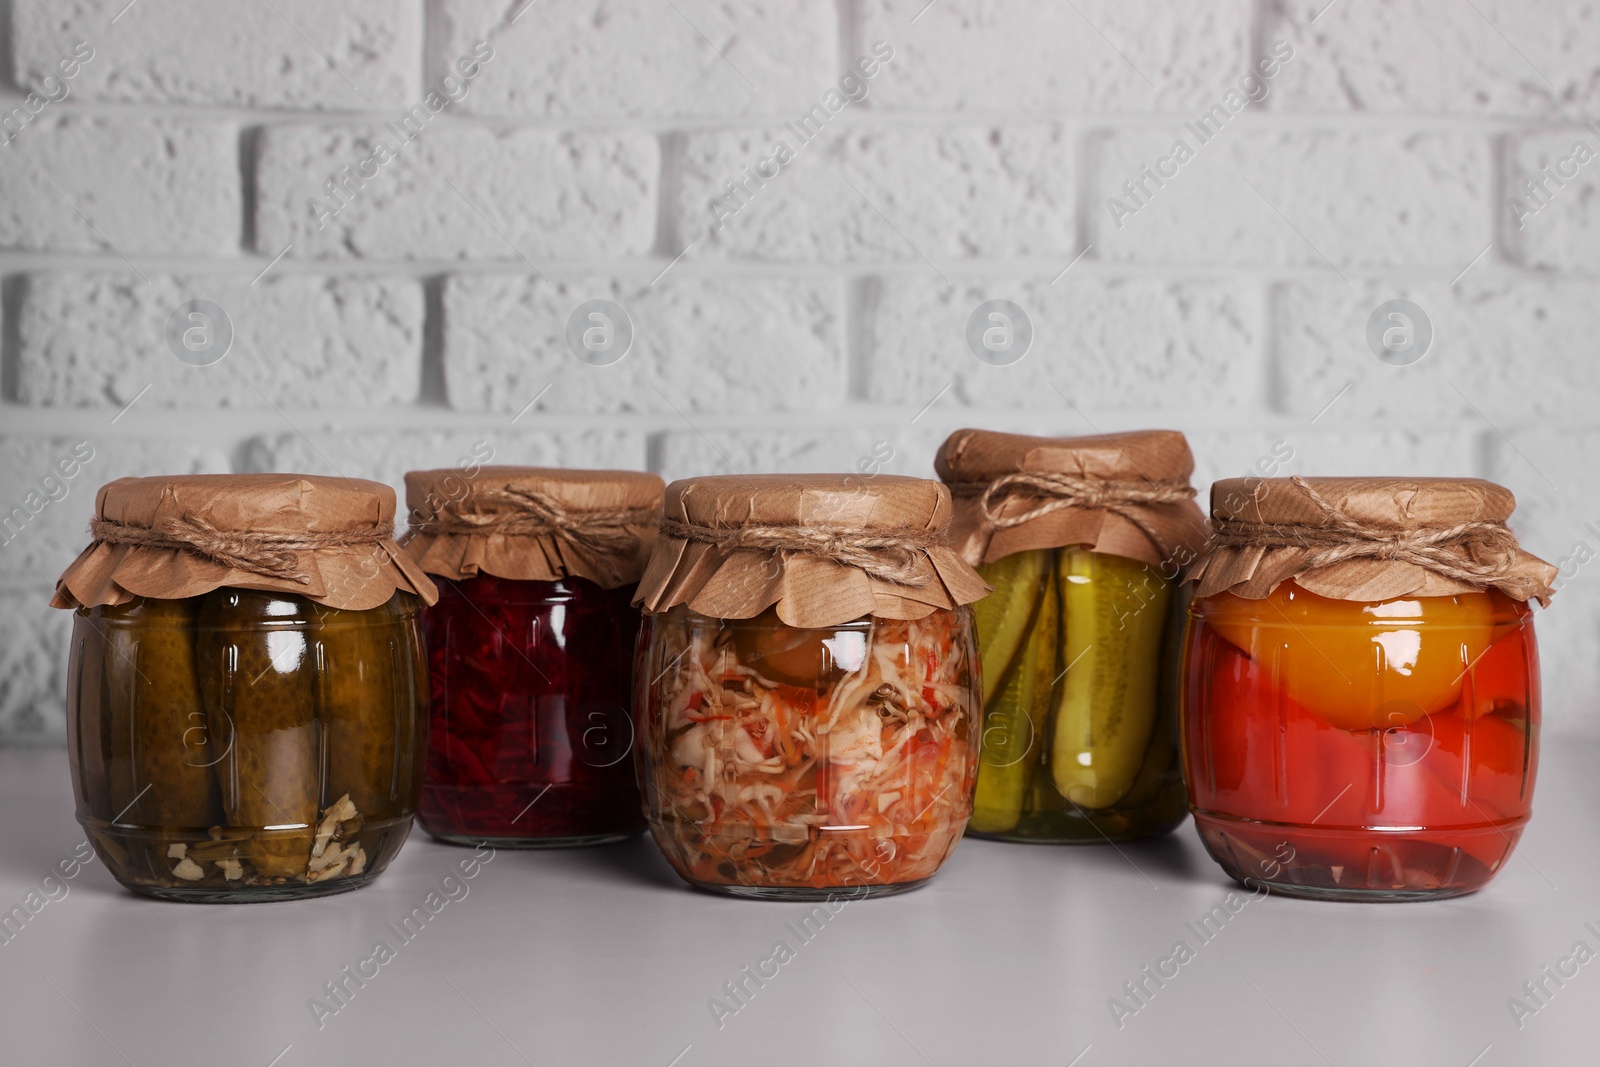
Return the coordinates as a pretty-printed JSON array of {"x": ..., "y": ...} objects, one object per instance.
[
  {"x": 247, "y": 691},
  {"x": 531, "y": 651},
  {"x": 1085, "y": 541},
  {"x": 1361, "y": 686},
  {"x": 807, "y": 685}
]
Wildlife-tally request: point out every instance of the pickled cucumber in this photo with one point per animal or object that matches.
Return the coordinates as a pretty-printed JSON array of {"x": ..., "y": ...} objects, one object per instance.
[
  {"x": 258, "y": 693},
  {"x": 1154, "y": 785},
  {"x": 1002, "y": 618},
  {"x": 89, "y": 736},
  {"x": 154, "y": 695},
  {"x": 1113, "y": 614},
  {"x": 362, "y": 703},
  {"x": 1014, "y": 724}
]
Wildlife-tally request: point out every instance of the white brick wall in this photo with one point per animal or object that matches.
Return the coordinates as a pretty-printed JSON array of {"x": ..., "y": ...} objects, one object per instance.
[
  {"x": 881, "y": 193},
  {"x": 456, "y": 193},
  {"x": 98, "y": 340},
  {"x": 570, "y": 157},
  {"x": 157, "y": 187}
]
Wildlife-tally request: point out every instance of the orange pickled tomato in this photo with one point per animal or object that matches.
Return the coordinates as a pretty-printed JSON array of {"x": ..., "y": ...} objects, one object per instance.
[
  {"x": 1361, "y": 665},
  {"x": 795, "y": 656}
]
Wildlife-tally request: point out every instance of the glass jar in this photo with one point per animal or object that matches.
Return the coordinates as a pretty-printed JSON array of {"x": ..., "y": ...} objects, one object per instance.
[
  {"x": 1361, "y": 686},
  {"x": 531, "y": 731},
  {"x": 531, "y": 650},
  {"x": 246, "y": 746},
  {"x": 1084, "y": 541},
  {"x": 804, "y": 763},
  {"x": 1080, "y": 729},
  {"x": 1362, "y": 750}
]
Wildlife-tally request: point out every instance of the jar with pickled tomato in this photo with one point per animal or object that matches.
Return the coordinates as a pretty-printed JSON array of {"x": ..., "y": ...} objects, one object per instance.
[
  {"x": 247, "y": 697},
  {"x": 1361, "y": 686},
  {"x": 807, "y": 685},
  {"x": 1084, "y": 540},
  {"x": 531, "y": 651}
]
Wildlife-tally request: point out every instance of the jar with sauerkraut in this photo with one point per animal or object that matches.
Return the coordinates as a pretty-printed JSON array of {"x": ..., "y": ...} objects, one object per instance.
[
  {"x": 807, "y": 685},
  {"x": 1085, "y": 541},
  {"x": 1361, "y": 691}
]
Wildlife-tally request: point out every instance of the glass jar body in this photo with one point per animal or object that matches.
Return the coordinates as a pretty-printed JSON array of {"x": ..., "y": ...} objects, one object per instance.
[
  {"x": 788, "y": 763},
  {"x": 246, "y": 746},
  {"x": 1351, "y": 750},
  {"x": 531, "y": 732},
  {"x": 1080, "y": 655}
]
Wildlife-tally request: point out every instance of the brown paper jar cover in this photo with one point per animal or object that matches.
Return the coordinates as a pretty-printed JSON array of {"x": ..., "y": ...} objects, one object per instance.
[
  {"x": 810, "y": 590},
  {"x": 353, "y": 576},
  {"x": 1266, "y": 510},
  {"x": 602, "y": 532},
  {"x": 971, "y": 460}
]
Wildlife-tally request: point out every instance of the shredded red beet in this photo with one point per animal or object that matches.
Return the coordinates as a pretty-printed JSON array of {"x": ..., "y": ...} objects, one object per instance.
[{"x": 530, "y": 733}]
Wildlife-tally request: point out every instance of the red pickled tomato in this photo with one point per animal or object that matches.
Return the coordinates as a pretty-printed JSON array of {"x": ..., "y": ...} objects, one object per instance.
[
  {"x": 1487, "y": 756},
  {"x": 1218, "y": 720},
  {"x": 1505, "y": 679},
  {"x": 1269, "y": 757},
  {"x": 1408, "y": 775}
]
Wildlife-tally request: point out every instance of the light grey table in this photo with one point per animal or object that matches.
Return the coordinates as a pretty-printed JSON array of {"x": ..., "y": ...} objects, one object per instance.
[{"x": 1009, "y": 957}]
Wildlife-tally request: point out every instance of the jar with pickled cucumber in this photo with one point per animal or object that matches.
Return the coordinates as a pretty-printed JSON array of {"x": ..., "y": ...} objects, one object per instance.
[
  {"x": 1084, "y": 541},
  {"x": 1361, "y": 686},
  {"x": 531, "y": 651},
  {"x": 247, "y": 689},
  {"x": 807, "y": 687}
]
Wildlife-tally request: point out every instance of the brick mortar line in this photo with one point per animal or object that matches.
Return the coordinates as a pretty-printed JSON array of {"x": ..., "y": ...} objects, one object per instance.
[
  {"x": 266, "y": 422},
  {"x": 865, "y": 116},
  {"x": 249, "y": 265}
]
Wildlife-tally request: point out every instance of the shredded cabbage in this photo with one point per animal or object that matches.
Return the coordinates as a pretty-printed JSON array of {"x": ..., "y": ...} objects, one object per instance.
[{"x": 862, "y": 778}]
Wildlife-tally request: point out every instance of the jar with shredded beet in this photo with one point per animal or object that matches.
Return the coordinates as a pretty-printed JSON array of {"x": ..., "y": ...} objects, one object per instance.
[
  {"x": 247, "y": 694},
  {"x": 531, "y": 651},
  {"x": 1361, "y": 686},
  {"x": 807, "y": 685}
]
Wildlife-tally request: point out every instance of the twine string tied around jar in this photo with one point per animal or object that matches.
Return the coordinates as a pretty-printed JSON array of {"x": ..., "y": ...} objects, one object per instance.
[
  {"x": 270, "y": 555},
  {"x": 1054, "y": 492},
  {"x": 890, "y": 557},
  {"x": 1480, "y": 553},
  {"x": 524, "y": 512}
]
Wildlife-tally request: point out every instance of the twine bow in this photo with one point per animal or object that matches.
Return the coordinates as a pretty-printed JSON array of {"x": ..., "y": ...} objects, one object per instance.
[
  {"x": 266, "y": 554},
  {"x": 531, "y": 513},
  {"x": 893, "y": 558},
  {"x": 1479, "y": 553},
  {"x": 1056, "y": 492}
]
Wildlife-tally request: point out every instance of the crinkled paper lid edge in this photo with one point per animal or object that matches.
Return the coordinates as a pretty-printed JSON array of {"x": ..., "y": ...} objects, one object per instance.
[
  {"x": 1254, "y": 571},
  {"x": 106, "y": 574},
  {"x": 1181, "y": 526},
  {"x": 523, "y": 557},
  {"x": 809, "y": 591}
]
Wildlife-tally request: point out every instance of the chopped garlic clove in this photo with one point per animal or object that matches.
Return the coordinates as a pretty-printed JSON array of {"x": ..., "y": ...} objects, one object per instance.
[
  {"x": 188, "y": 870},
  {"x": 342, "y": 810}
]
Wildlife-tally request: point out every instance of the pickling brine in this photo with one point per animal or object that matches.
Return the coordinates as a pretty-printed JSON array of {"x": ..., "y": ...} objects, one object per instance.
[
  {"x": 244, "y": 745},
  {"x": 794, "y": 762},
  {"x": 1080, "y": 736},
  {"x": 1356, "y": 750},
  {"x": 531, "y": 735}
]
